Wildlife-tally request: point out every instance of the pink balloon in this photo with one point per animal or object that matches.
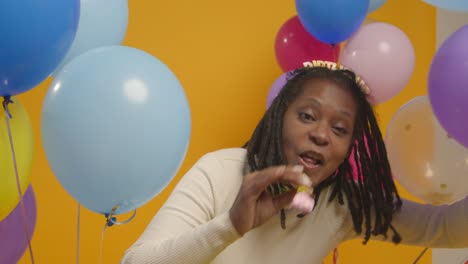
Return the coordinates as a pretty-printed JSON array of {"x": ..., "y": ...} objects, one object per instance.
[
  {"x": 294, "y": 45},
  {"x": 383, "y": 56}
]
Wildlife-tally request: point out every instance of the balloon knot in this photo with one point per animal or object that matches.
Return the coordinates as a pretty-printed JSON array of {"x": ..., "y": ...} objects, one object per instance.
[
  {"x": 110, "y": 220},
  {"x": 6, "y": 101}
]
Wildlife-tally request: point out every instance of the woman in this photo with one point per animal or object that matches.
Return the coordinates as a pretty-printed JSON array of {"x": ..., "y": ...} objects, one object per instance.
[{"x": 222, "y": 210}]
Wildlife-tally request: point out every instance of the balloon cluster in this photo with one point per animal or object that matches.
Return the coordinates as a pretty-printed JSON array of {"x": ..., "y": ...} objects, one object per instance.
[
  {"x": 379, "y": 52},
  {"x": 35, "y": 41},
  {"x": 433, "y": 166},
  {"x": 115, "y": 122}
]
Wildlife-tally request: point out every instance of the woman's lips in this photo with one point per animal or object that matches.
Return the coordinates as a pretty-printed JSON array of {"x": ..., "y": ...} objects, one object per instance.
[{"x": 308, "y": 163}]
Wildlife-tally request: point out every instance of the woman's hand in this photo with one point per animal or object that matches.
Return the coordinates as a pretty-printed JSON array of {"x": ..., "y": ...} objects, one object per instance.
[{"x": 254, "y": 205}]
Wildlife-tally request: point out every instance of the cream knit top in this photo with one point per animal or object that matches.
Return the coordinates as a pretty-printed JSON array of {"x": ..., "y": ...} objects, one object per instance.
[{"x": 194, "y": 227}]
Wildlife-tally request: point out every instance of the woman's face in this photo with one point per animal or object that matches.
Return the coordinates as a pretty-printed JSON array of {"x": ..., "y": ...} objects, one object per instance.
[{"x": 318, "y": 128}]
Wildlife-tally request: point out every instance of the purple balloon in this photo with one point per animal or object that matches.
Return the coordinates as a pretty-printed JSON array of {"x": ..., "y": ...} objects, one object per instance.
[
  {"x": 13, "y": 241},
  {"x": 448, "y": 85},
  {"x": 276, "y": 88}
]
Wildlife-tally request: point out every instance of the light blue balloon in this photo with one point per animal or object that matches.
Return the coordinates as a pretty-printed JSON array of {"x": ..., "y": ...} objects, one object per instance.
[
  {"x": 452, "y": 5},
  {"x": 115, "y": 128},
  {"x": 102, "y": 23},
  {"x": 376, "y": 4}
]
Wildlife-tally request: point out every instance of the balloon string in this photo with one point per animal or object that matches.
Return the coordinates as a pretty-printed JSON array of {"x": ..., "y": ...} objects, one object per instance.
[
  {"x": 420, "y": 256},
  {"x": 7, "y": 100},
  {"x": 110, "y": 221},
  {"x": 335, "y": 256},
  {"x": 78, "y": 234},
  {"x": 101, "y": 243}
]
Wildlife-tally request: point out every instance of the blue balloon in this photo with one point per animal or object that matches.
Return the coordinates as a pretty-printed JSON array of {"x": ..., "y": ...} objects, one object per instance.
[
  {"x": 452, "y": 5},
  {"x": 115, "y": 128},
  {"x": 102, "y": 23},
  {"x": 35, "y": 37},
  {"x": 332, "y": 21},
  {"x": 376, "y": 4}
]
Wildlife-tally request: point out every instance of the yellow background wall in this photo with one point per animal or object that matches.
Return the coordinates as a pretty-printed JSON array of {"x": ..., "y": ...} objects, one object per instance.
[{"x": 222, "y": 52}]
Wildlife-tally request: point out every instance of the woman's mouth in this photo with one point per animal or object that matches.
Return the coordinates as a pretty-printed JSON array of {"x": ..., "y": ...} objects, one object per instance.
[{"x": 311, "y": 161}]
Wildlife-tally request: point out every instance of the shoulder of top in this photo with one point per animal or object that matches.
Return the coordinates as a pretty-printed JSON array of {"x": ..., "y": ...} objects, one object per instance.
[{"x": 229, "y": 154}]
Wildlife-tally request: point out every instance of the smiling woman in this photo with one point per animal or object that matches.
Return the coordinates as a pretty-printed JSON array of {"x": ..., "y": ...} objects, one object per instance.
[
  {"x": 331, "y": 109},
  {"x": 318, "y": 113},
  {"x": 223, "y": 210}
]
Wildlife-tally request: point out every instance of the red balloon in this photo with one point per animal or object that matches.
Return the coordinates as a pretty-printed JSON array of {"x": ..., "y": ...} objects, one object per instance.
[{"x": 294, "y": 45}]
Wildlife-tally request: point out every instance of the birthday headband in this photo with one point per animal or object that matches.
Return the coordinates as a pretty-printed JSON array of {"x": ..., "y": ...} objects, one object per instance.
[{"x": 334, "y": 66}]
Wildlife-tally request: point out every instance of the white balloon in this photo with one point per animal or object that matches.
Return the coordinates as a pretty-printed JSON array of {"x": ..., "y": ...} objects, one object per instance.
[{"x": 424, "y": 159}]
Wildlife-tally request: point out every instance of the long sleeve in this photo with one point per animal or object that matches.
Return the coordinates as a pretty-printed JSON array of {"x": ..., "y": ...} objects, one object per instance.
[
  {"x": 187, "y": 229},
  {"x": 431, "y": 226}
]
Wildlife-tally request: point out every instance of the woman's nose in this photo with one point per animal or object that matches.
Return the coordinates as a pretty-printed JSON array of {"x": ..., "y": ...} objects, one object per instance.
[{"x": 319, "y": 135}]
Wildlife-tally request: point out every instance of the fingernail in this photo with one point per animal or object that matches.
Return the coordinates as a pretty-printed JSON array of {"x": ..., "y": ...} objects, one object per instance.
[
  {"x": 298, "y": 168},
  {"x": 305, "y": 180}
]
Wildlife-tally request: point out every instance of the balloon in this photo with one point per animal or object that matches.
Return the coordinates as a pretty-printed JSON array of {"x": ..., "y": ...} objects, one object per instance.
[
  {"x": 425, "y": 160},
  {"x": 294, "y": 45},
  {"x": 102, "y": 23},
  {"x": 452, "y": 5},
  {"x": 332, "y": 21},
  {"x": 448, "y": 82},
  {"x": 276, "y": 88},
  {"x": 36, "y": 36},
  {"x": 13, "y": 240},
  {"x": 383, "y": 56},
  {"x": 21, "y": 132},
  {"x": 115, "y": 128},
  {"x": 376, "y": 4}
]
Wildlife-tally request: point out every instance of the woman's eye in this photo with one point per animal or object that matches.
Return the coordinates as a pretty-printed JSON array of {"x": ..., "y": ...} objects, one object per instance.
[
  {"x": 341, "y": 130},
  {"x": 306, "y": 117}
]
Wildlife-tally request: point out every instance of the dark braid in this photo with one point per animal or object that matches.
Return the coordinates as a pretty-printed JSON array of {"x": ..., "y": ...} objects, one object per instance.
[{"x": 373, "y": 192}]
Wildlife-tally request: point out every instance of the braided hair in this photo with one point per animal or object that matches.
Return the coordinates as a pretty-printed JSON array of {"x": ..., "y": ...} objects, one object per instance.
[{"x": 373, "y": 193}]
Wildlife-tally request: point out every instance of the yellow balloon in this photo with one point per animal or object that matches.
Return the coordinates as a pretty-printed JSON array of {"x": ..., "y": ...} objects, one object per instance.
[{"x": 21, "y": 132}]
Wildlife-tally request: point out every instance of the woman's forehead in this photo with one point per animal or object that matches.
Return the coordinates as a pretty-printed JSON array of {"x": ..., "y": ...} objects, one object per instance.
[{"x": 327, "y": 91}]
